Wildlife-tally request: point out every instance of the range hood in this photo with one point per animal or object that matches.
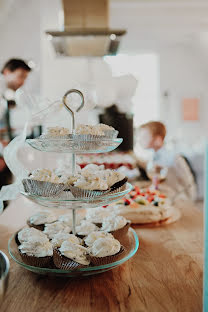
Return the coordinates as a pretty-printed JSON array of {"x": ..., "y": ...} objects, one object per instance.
[{"x": 85, "y": 30}]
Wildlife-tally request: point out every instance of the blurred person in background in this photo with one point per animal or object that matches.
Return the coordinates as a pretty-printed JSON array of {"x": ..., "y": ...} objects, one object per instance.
[{"x": 13, "y": 76}]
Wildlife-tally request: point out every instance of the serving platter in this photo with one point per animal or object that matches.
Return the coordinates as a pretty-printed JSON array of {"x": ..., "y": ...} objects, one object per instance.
[{"x": 131, "y": 245}]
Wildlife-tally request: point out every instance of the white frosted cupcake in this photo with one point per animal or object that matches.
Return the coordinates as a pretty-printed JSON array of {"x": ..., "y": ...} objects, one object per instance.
[
  {"x": 55, "y": 132},
  {"x": 85, "y": 228},
  {"x": 97, "y": 215},
  {"x": 105, "y": 250},
  {"x": 70, "y": 256},
  {"x": 92, "y": 237},
  {"x": 118, "y": 226},
  {"x": 39, "y": 219},
  {"x": 57, "y": 227},
  {"x": 36, "y": 252},
  {"x": 67, "y": 219},
  {"x": 27, "y": 234},
  {"x": 59, "y": 238}
]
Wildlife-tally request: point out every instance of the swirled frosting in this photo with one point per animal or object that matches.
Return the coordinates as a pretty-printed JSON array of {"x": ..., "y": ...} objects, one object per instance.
[
  {"x": 40, "y": 248},
  {"x": 56, "y": 131},
  {"x": 28, "y": 234},
  {"x": 103, "y": 247},
  {"x": 86, "y": 228},
  {"x": 59, "y": 238},
  {"x": 67, "y": 219},
  {"x": 51, "y": 229},
  {"x": 113, "y": 223},
  {"x": 96, "y": 215},
  {"x": 74, "y": 252},
  {"x": 92, "y": 237},
  {"x": 42, "y": 217}
]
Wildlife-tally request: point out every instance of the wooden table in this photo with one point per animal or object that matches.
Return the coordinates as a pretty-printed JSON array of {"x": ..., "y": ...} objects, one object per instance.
[{"x": 164, "y": 275}]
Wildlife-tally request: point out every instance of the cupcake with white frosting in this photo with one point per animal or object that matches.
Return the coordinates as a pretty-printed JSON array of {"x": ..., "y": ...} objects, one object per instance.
[
  {"x": 93, "y": 236},
  {"x": 55, "y": 133},
  {"x": 61, "y": 237},
  {"x": 37, "y": 251},
  {"x": 70, "y": 256},
  {"x": 105, "y": 250},
  {"x": 67, "y": 219},
  {"x": 85, "y": 228},
  {"x": 43, "y": 182},
  {"x": 57, "y": 227},
  {"x": 97, "y": 215},
  {"x": 118, "y": 226},
  {"x": 39, "y": 219},
  {"x": 27, "y": 234}
]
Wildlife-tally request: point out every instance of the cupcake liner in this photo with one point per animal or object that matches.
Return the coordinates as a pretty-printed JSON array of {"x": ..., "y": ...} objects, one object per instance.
[
  {"x": 121, "y": 233},
  {"x": 65, "y": 194},
  {"x": 42, "y": 188},
  {"x": 119, "y": 185},
  {"x": 111, "y": 134},
  {"x": 108, "y": 259},
  {"x": 39, "y": 227},
  {"x": 17, "y": 240},
  {"x": 64, "y": 263},
  {"x": 86, "y": 194},
  {"x": 51, "y": 137},
  {"x": 42, "y": 262},
  {"x": 87, "y": 137}
]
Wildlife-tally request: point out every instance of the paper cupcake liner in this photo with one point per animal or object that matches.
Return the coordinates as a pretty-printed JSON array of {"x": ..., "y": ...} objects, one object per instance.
[
  {"x": 105, "y": 260},
  {"x": 65, "y": 195},
  {"x": 64, "y": 263},
  {"x": 121, "y": 233},
  {"x": 39, "y": 227},
  {"x": 42, "y": 262},
  {"x": 119, "y": 185},
  {"x": 51, "y": 137},
  {"x": 111, "y": 134},
  {"x": 86, "y": 194},
  {"x": 87, "y": 137},
  {"x": 42, "y": 188}
]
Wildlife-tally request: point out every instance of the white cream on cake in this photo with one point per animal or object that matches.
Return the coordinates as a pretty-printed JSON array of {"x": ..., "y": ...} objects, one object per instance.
[
  {"x": 96, "y": 215},
  {"x": 85, "y": 228},
  {"x": 59, "y": 238},
  {"x": 92, "y": 237},
  {"x": 142, "y": 207},
  {"x": 37, "y": 248},
  {"x": 52, "y": 229},
  {"x": 103, "y": 247},
  {"x": 28, "y": 234},
  {"x": 43, "y": 217},
  {"x": 74, "y": 252},
  {"x": 113, "y": 223}
]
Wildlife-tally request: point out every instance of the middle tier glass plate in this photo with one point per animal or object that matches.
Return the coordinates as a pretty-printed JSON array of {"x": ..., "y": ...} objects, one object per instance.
[
  {"x": 78, "y": 203},
  {"x": 75, "y": 146}
]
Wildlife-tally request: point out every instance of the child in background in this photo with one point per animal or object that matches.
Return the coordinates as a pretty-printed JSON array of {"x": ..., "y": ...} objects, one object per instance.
[
  {"x": 180, "y": 174},
  {"x": 152, "y": 136}
]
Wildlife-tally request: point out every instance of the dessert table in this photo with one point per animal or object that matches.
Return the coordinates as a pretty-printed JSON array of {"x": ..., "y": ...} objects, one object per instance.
[{"x": 165, "y": 274}]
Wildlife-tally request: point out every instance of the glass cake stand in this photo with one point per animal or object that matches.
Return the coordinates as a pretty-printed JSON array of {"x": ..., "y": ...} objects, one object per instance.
[
  {"x": 73, "y": 146},
  {"x": 131, "y": 246},
  {"x": 78, "y": 203}
]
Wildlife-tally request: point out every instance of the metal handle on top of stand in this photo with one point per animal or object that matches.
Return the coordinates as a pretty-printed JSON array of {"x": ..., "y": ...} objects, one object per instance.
[
  {"x": 73, "y": 131},
  {"x": 69, "y": 109}
]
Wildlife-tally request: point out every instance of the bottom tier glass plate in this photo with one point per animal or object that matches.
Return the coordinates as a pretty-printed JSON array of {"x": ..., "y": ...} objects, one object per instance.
[
  {"x": 131, "y": 245},
  {"x": 78, "y": 203}
]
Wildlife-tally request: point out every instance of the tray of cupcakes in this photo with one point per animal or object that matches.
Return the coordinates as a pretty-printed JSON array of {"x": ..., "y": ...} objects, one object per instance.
[
  {"x": 47, "y": 246},
  {"x": 85, "y": 138},
  {"x": 90, "y": 183}
]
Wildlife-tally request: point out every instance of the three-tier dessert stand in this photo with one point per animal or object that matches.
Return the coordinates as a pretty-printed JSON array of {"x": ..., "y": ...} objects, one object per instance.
[{"x": 75, "y": 146}]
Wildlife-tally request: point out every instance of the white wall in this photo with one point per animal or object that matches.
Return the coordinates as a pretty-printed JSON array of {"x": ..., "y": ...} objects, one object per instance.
[{"x": 20, "y": 35}]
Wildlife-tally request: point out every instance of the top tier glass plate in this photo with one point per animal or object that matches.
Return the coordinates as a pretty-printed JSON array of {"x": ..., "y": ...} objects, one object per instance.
[{"x": 73, "y": 146}]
